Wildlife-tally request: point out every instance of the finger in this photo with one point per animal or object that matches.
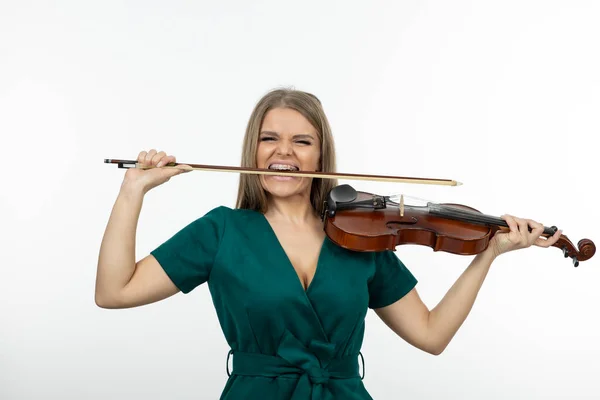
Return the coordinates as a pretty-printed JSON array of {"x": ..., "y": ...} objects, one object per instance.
[
  {"x": 541, "y": 242},
  {"x": 523, "y": 231},
  {"x": 149, "y": 155},
  {"x": 141, "y": 156},
  {"x": 157, "y": 157},
  {"x": 536, "y": 230},
  {"x": 512, "y": 224},
  {"x": 178, "y": 169},
  {"x": 166, "y": 160},
  {"x": 185, "y": 168},
  {"x": 523, "y": 226},
  {"x": 556, "y": 237}
]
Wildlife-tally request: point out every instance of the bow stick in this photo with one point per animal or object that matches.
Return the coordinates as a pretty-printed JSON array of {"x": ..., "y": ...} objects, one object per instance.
[{"x": 315, "y": 174}]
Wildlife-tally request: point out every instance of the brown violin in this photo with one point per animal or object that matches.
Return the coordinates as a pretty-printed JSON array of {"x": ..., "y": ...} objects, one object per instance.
[{"x": 364, "y": 221}]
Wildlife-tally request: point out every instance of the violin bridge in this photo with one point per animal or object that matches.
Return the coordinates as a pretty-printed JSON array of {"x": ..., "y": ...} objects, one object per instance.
[{"x": 402, "y": 205}]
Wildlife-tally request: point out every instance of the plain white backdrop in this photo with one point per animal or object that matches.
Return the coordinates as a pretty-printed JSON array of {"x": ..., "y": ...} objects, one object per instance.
[{"x": 502, "y": 96}]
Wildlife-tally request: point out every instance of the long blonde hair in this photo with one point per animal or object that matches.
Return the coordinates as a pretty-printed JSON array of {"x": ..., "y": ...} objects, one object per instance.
[{"x": 251, "y": 194}]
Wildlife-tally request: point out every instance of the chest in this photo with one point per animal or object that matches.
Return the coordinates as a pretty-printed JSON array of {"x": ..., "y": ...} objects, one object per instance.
[
  {"x": 302, "y": 249},
  {"x": 269, "y": 272}
]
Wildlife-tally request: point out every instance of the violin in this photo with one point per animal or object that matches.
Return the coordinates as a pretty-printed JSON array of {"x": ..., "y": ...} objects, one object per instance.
[{"x": 363, "y": 221}]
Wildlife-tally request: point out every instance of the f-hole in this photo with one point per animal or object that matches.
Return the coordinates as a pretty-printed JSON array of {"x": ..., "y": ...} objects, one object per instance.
[{"x": 400, "y": 222}]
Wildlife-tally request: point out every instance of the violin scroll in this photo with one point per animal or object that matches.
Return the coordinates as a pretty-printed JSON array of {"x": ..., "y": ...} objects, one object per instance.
[{"x": 584, "y": 251}]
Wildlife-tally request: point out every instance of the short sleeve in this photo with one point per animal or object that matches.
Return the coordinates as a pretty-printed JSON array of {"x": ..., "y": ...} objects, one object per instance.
[
  {"x": 187, "y": 257},
  {"x": 391, "y": 281}
]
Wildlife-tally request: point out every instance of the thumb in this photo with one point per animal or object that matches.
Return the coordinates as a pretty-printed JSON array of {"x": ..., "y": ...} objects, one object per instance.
[
  {"x": 184, "y": 168},
  {"x": 173, "y": 171},
  {"x": 168, "y": 172}
]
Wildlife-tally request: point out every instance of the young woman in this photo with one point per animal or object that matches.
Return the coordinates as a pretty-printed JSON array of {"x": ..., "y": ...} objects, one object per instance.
[{"x": 291, "y": 303}]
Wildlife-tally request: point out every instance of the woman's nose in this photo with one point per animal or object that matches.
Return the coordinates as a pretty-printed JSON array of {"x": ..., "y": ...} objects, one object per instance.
[{"x": 284, "y": 147}]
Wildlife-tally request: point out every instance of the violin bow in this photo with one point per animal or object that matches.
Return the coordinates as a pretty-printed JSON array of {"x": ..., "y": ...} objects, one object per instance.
[{"x": 315, "y": 174}]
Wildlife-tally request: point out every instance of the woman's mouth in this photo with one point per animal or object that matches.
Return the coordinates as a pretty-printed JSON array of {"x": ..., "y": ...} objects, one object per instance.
[{"x": 283, "y": 168}]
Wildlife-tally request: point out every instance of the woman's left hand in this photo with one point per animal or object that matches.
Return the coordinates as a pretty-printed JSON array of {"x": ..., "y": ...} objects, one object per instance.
[{"x": 519, "y": 236}]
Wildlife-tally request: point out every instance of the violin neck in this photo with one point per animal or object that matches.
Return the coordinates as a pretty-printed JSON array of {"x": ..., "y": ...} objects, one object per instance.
[{"x": 466, "y": 215}]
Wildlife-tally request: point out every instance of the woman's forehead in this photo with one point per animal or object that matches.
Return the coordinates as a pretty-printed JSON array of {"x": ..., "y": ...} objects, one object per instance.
[{"x": 285, "y": 121}]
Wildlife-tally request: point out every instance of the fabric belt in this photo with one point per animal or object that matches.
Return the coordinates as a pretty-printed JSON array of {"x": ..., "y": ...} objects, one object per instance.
[{"x": 314, "y": 367}]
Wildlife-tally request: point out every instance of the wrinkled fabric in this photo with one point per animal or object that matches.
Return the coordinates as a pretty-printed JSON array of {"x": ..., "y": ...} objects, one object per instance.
[{"x": 286, "y": 342}]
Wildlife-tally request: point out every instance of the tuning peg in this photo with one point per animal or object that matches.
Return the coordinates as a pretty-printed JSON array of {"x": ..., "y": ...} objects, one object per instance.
[
  {"x": 575, "y": 262},
  {"x": 565, "y": 251}
]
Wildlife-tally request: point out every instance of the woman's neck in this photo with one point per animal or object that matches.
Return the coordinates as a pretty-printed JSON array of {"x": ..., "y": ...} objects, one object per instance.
[{"x": 297, "y": 210}]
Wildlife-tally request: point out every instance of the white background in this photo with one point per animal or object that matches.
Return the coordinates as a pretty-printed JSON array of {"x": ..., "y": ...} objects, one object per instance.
[{"x": 502, "y": 96}]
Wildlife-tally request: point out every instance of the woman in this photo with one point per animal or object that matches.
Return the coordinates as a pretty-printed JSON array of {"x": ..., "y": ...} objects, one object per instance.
[{"x": 290, "y": 302}]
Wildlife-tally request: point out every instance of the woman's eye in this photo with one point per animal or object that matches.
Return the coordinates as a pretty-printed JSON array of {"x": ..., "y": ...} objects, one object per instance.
[{"x": 268, "y": 138}]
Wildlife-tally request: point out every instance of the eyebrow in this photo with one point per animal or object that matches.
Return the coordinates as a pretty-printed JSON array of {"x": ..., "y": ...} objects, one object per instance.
[{"x": 298, "y": 136}]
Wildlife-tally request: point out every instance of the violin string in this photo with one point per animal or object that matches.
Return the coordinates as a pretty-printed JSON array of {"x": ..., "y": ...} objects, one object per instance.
[
  {"x": 450, "y": 211},
  {"x": 472, "y": 216},
  {"x": 456, "y": 212},
  {"x": 396, "y": 198},
  {"x": 469, "y": 215}
]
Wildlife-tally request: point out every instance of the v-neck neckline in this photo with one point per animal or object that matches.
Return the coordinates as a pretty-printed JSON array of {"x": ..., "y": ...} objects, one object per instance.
[{"x": 285, "y": 256}]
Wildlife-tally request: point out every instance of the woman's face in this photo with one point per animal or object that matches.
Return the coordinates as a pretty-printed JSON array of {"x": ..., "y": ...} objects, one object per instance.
[{"x": 287, "y": 141}]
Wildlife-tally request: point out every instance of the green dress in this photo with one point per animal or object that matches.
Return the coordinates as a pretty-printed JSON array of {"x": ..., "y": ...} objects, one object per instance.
[{"x": 286, "y": 343}]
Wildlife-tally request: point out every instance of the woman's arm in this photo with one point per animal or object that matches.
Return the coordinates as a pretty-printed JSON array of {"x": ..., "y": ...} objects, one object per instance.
[
  {"x": 120, "y": 281},
  {"x": 433, "y": 330}
]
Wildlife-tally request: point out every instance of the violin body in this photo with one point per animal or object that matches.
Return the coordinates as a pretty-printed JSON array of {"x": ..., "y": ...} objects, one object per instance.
[
  {"x": 384, "y": 229},
  {"x": 362, "y": 221}
]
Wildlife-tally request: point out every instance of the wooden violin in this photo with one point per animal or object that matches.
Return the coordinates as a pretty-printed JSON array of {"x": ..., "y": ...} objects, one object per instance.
[{"x": 364, "y": 221}]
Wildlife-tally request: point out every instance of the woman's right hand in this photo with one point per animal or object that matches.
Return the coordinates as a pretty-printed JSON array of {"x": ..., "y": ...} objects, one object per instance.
[{"x": 147, "y": 179}]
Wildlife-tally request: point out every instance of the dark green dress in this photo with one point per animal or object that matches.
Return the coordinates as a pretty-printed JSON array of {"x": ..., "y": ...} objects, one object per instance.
[{"x": 286, "y": 343}]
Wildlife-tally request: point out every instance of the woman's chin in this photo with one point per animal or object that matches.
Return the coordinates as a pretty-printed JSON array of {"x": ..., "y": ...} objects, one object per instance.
[
  {"x": 284, "y": 186},
  {"x": 277, "y": 178}
]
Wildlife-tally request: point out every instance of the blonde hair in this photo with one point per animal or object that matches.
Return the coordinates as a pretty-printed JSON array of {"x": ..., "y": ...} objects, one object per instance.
[{"x": 251, "y": 194}]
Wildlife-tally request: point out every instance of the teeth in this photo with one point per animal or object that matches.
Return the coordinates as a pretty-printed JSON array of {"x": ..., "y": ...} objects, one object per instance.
[{"x": 283, "y": 167}]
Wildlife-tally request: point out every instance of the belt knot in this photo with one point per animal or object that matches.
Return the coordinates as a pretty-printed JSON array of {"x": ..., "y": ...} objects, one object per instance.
[
  {"x": 315, "y": 365},
  {"x": 318, "y": 375}
]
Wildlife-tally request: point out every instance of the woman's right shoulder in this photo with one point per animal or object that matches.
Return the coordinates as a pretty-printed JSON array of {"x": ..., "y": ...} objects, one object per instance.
[
  {"x": 227, "y": 211},
  {"x": 230, "y": 223},
  {"x": 225, "y": 215}
]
